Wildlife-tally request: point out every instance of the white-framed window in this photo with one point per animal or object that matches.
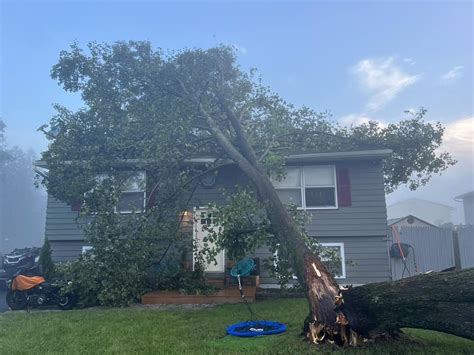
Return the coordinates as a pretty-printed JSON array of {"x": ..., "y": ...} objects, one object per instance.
[
  {"x": 133, "y": 196},
  {"x": 86, "y": 248},
  {"x": 309, "y": 187},
  {"x": 339, "y": 270}
]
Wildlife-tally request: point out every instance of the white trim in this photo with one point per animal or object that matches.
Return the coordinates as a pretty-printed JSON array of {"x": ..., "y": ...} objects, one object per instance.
[
  {"x": 343, "y": 257},
  {"x": 86, "y": 248},
  {"x": 335, "y": 244}
]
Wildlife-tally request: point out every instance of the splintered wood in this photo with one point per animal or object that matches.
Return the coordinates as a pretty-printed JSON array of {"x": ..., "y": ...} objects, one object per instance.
[{"x": 318, "y": 273}]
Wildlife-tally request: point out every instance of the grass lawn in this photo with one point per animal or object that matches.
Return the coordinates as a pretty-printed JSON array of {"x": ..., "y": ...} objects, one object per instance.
[{"x": 202, "y": 331}]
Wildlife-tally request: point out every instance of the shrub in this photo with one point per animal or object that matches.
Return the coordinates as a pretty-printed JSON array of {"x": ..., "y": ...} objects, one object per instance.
[{"x": 46, "y": 261}]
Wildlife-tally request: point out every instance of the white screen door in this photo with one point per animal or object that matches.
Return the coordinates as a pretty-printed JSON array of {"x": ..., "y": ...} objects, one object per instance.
[{"x": 203, "y": 219}]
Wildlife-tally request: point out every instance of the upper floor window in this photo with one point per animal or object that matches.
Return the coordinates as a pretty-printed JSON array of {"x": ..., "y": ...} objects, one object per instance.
[
  {"x": 133, "y": 194},
  {"x": 309, "y": 187}
]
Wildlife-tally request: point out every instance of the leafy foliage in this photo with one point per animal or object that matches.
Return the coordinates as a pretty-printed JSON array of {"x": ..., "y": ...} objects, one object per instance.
[
  {"x": 46, "y": 261},
  {"x": 175, "y": 278},
  {"x": 144, "y": 104}
]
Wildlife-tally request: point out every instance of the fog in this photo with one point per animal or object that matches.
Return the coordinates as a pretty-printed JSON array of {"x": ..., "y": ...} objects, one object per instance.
[{"x": 22, "y": 205}]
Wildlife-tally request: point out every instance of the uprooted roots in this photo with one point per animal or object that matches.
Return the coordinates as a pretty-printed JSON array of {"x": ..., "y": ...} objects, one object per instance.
[
  {"x": 317, "y": 333},
  {"x": 342, "y": 334}
]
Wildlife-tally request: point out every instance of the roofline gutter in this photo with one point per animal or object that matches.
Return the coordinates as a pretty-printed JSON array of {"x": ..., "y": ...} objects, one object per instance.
[{"x": 293, "y": 158}]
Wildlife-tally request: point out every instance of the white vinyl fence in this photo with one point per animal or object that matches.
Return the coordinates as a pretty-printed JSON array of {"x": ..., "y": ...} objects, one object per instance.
[
  {"x": 466, "y": 246},
  {"x": 430, "y": 249}
]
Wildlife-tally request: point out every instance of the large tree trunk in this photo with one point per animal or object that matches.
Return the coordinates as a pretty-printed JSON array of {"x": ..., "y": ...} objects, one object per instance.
[{"x": 442, "y": 301}]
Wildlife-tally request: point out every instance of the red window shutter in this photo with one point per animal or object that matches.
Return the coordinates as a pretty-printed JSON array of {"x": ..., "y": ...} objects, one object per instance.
[
  {"x": 76, "y": 205},
  {"x": 344, "y": 197}
]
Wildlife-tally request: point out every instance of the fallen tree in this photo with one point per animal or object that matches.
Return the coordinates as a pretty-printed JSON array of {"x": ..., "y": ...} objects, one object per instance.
[
  {"x": 141, "y": 104},
  {"x": 442, "y": 301}
]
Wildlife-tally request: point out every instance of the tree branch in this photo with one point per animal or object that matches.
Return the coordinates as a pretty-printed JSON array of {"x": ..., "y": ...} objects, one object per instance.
[{"x": 242, "y": 142}]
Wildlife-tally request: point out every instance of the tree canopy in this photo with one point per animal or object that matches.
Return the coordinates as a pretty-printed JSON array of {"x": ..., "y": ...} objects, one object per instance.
[{"x": 142, "y": 103}]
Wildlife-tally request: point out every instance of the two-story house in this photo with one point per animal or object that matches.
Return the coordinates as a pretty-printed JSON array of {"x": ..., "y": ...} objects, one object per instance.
[{"x": 342, "y": 191}]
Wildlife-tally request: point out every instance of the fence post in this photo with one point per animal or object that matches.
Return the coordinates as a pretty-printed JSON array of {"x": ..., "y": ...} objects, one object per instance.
[{"x": 457, "y": 254}]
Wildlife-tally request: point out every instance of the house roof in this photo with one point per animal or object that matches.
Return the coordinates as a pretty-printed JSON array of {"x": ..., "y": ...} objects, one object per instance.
[
  {"x": 293, "y": 158},
  {"x": 393, "y": 221},
  {"x": 466, "y": 195}
]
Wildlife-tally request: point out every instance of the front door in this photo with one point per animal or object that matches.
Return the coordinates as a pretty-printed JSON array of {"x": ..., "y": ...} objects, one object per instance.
[{"x": 203, "y": 220}]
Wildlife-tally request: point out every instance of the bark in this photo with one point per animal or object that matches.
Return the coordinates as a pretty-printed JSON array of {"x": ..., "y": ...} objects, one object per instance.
[{"x": 442, "y": 301}]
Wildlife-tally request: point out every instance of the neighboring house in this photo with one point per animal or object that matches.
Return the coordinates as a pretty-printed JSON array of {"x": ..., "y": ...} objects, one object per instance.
[
  {"x": 468, "y": 206},
  {"x": 409, "y": 221},
  {"x": 343, "y": 192},
  {"x": 429, "y": 211}
]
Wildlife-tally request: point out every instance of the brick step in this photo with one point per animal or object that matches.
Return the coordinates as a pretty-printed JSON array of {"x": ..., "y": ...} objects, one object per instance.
[{"x": 215, "y": 282}]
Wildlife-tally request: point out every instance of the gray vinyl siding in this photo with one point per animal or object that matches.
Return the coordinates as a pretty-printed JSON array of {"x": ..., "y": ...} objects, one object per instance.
[
  {"x": 65, "y": 250},
  {"x": 367, "y": 216},
  {"x": 62, "y": 223},
  {"x": 366, "y": 260}
]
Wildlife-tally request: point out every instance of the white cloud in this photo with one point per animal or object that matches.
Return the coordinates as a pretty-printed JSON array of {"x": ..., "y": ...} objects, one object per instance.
[
  {"x": 240, "y": 49},
  {"x": 453, "y": 74},
  {"x": 355, "y": 119},
  {"x": 382, "y": 79},
  {"x": 409, "y": 61},
  {"x": 458, "y": 138}
]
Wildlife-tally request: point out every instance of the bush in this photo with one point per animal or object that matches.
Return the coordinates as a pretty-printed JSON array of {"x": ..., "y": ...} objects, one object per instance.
[
  {"x": 174, "y": 278},
  {"x": 46, "y": 261},
  {"x": 116, "y": 277}
]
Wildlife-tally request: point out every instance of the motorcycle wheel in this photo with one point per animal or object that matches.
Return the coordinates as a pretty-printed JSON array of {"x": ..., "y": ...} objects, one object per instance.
[
  {"x": 16, "y": 300},
  {"x": 66, "y": 301}
]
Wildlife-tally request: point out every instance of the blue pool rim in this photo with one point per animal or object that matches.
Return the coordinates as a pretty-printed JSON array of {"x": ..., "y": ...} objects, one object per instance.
[{"x": 279, "y": 328}]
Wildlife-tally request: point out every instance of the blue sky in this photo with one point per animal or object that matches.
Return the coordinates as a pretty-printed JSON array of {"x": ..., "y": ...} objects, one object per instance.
[{"x": 359, "y": 60}]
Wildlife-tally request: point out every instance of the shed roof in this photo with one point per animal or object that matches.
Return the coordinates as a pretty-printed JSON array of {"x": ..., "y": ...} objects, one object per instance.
[{"x": 393, "y": 221}]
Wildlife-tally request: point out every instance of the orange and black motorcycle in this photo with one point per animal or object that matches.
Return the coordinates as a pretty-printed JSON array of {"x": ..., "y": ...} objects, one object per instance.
[{"x": 25, "y": 292}]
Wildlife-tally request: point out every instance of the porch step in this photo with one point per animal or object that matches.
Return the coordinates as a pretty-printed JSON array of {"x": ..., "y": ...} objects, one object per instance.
[
  {"x": 215, "y": 282},
  {"x": 225, "y": 296}
]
